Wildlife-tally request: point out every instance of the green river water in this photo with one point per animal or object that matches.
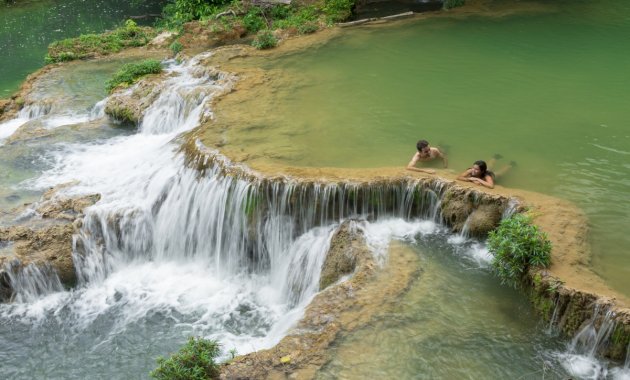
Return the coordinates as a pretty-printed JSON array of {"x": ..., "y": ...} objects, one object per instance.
[
  {"x": 545, "y": 86},
  {"x": 28, "y": 26}
]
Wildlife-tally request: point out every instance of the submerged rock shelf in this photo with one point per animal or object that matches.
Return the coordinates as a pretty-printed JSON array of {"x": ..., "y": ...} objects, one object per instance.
[{"x": 571, "y": 302}]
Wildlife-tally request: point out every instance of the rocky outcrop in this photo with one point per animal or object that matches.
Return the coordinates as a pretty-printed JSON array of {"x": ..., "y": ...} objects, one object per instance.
[
  {"x": 347, "y": 248},
  {"x": 338, "y": 309},
  {"x": 478, "y": 211},
  {"x": 128, "y": 105},
  {"x": 46, "y": 242}
]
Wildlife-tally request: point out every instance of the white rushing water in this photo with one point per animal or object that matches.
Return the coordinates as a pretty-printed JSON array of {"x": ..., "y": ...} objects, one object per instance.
[
  {"x": 166, "y": 253},
  {"x": 162, "y": 241}
]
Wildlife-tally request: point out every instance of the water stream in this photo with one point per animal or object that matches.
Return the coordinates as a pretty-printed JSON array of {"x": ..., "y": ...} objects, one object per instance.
[
  {"x": 541, "y": 83},
  {"x": 166, "y": 254}
]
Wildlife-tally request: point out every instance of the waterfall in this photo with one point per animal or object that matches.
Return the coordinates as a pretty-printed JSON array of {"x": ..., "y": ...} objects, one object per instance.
[
  {"x": 580, "y": 359},
  {"x": 589, "y": 340},
  {"x": 231, "y": 257},
  {"x": 32, "y": 281},
  {"x": 510, "y": 209},
  {"x": 554, "y": 317},
  {"x": 27, "y": 113}
]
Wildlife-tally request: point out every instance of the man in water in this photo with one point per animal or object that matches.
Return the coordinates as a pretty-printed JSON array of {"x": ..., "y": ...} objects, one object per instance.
[{"x": 426, "y": 153}]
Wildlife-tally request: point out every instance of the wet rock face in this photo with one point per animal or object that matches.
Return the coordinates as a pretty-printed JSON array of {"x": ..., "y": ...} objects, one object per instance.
[
  {"x": 482, "y": 211},
  {"x": 346, "y": 248},
  {"x": 48, "y": 242},
  {"x": 570, "y": 311},
  {"x": 5, "y": 106},
  {"x": 48, "y": 245},
  {"x": 484, "y": 219}
]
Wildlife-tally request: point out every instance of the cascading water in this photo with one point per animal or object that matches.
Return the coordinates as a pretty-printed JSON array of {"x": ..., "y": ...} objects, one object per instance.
[
  {"x": 581, "y": 360},
  {"x": 166, "y": 253},
  {"x": 164, "y": 250}
]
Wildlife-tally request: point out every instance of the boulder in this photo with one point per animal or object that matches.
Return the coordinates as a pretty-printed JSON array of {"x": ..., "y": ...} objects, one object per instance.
[
  {"x": 484, "y": 219},
  {"x": 46, "y": 242},
  {"x": 128, "y": 105},
  {"x": 347, "y": 247}
]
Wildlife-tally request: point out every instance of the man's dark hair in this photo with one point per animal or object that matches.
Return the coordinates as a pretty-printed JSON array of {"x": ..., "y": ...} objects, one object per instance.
[{"x": 422, "y": 144}]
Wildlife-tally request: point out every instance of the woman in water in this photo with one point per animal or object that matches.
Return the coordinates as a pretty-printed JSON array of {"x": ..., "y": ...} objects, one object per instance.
[{"x": 480, "y": 174}]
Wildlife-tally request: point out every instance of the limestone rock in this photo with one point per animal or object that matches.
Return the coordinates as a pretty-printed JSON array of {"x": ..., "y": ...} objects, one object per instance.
[
  {"x": 162, "y": 40},
  {"x": 346, "y": 247},
  {"x": 484, "y": 219},
  {"x": 456, "y": 207},
  {"x": 47, "y": 242},
  {"x": 128, "y": 105}
]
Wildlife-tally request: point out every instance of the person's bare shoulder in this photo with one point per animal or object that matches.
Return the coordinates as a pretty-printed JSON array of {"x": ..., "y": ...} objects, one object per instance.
[{"x": 435, "y": 152}]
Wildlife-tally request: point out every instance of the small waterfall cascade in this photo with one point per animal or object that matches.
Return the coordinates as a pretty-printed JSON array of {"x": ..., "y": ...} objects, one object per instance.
[
  {"x": 589, "y": 340},
  {"x": 511, "y": 208},
  {"x": 98, "y": 110},
  {"x": 29, "y": 112},
  {"x": 181, "y": 104},
  {"x": 32, "y": 281},
  {"x": 554, "y": 317},
  {"x": 581, "y": 360}
]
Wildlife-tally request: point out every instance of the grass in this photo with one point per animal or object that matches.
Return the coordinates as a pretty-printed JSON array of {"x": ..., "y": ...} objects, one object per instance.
[
  {"x": 194, "y": 361},
  {"x": 131, "y": 72},
  {"x": 448, "y": 4},
  {"x": 264, "y": 40},
  {"x": 93, "y": 45},
  {"x": 518, "y": 245}
]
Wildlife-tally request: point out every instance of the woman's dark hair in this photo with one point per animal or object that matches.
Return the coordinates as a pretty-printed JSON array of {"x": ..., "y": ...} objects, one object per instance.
[
  {"x": 422, "y": 144},
  {"x": 482, "y": 166}
]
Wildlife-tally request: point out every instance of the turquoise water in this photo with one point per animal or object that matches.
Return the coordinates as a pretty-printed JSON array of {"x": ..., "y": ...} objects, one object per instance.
[
  {"x": 27, "y": 27},
  {"x": 455, "y": 322},
  {"x": 544, "y": 84}
]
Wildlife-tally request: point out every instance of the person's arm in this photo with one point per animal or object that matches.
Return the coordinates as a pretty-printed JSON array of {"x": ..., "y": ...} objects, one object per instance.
[
  {"x": 412, "y": 166},
  {"x": 465, "y": 176},
  {"x": 487, "y": 181}
]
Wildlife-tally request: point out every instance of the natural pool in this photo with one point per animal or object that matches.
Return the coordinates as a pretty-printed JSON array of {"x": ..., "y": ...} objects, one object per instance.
[
  {"x": 456, "y": 320},
  {"x": 544, "y": 84}
]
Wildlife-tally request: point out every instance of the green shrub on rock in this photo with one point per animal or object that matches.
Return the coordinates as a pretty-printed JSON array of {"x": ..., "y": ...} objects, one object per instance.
[
  {"x": 93, "y": 45},
  {"x": 338, "y": 10},
  {"x": 194, "y": 361},
  {"x": 131, "y": 72},
  {"x": 264, "y": 40},
  {"x": 518, "y": 245},
  {"x": 448, "y": 4},
  {"x": 176, "y": 47},
  {"x": 253, "y": 21}
]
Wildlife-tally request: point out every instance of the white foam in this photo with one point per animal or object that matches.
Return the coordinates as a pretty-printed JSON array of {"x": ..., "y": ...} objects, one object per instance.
[
  {"x": 583, "y": 366},
  {"x": 9, "y": 127}
]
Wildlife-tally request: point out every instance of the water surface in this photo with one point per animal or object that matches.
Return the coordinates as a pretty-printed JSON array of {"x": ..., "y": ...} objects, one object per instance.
[
  {"x": 27, "y": 27},
  {"x": 544, "y": 85}
]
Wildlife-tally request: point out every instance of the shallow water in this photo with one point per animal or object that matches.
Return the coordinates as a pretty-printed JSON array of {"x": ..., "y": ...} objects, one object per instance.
[
  {"x": 456, "y": 321},
  {"x": 27, "y": 27},
  {"x": 544, "y": 84},
  {"x": 166, "y": 278},
  {"x": 69, "y": 94}
]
